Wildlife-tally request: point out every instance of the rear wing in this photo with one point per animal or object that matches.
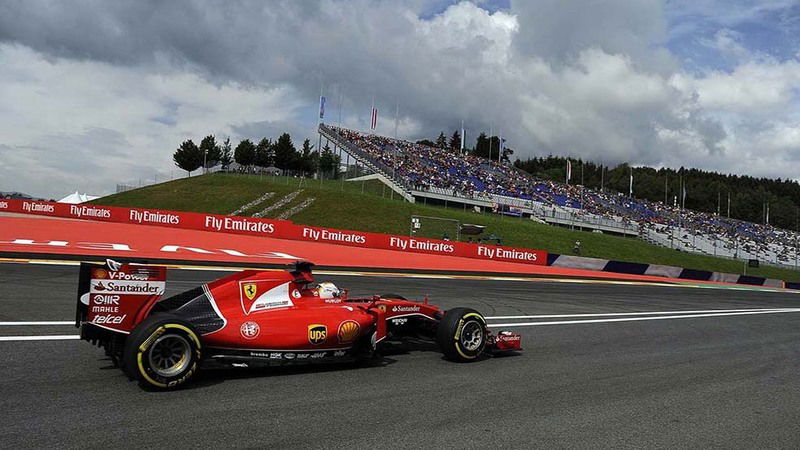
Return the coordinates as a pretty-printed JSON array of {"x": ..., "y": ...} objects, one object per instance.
[{"x": 116, "y": 296}]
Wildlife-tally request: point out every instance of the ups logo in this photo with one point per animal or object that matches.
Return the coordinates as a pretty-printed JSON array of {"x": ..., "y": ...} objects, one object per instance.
[{"x": 317, "y": 333}]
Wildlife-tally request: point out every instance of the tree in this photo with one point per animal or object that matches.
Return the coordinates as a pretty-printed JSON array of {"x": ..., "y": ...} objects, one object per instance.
[
  {"x": 245, "y": 153},
  {"x": 308, "y": 157},
  {"x": 210, "y": 151},
  {"x": 455, "y": 141},
  {"x": 482, "y": 146},
  {"x": 226, "y": 153},
  {"x": 188, "y": 156},
  {"x": 265, "y": 154},
  {"x": 441, "y": 141},
  {"x": 427, "y": 142},
  {"x": 329, "y": 162},
  {"x": 705, "y": 191},
  {"x": 284, "y": 152}
]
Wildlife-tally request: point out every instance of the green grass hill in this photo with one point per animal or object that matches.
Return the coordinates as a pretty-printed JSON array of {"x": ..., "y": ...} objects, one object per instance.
[{"x": 368, "y": 206}]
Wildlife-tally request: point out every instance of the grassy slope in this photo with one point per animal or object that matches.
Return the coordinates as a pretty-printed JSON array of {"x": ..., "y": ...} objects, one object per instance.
[{"x": 343, "y": 205}]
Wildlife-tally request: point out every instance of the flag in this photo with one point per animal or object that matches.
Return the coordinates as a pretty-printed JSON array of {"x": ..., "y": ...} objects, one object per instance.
[
  {"x": 321, "y": 107},
  {"x": 767, "y": 213},
  {"x": 462, "y": 135},
  {"x": 569, "y": 171},
  {"x": 630, "y": 186},
  {"x": 374, "y": 121}
]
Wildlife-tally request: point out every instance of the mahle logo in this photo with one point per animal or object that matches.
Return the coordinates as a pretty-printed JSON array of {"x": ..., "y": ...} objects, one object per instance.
[{"x": 317, "y": 333}]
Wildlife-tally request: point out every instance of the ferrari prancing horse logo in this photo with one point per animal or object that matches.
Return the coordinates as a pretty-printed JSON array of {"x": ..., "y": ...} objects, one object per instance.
[{"x": 250, "y": 290}]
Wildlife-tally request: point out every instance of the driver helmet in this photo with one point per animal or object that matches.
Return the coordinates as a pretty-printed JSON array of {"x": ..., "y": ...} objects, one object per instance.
[{"x": 327, "y": 290}]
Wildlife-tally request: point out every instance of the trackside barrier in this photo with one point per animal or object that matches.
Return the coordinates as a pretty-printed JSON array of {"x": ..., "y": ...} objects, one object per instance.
[
  {"x": 285, "y": 229},
  {"x": 629, "y": 268},
  {"x": 279, "y": 229}
]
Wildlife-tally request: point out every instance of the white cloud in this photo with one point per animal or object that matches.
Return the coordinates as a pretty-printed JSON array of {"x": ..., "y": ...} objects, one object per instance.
[
  {"x": 591, "y": 79},
  {"x": 752, "y": 88},
  {"x": 87, "y": 125}
]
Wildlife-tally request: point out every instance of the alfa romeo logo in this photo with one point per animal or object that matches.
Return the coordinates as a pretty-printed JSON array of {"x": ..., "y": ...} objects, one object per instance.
[{"x": 250, "y": 330}]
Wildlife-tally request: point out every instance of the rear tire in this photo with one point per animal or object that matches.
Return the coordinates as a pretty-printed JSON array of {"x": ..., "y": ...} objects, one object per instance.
[
  {"x": 462, "y": 335},
  {"x": 163, "y": 352}
]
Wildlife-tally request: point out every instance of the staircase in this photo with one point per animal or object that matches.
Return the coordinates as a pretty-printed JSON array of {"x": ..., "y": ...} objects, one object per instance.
[{"x": 384, "y": 173}]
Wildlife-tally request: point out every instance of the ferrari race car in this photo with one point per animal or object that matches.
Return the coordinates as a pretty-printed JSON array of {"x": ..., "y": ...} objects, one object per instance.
[{"x": 257, "y": 318}]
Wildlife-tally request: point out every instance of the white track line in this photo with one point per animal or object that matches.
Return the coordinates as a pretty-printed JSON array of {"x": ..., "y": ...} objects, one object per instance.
[
  {"x": 632, "y": 319},
  {"x": 540, "y": 316},
  {"x": 522, "y": 324},
  {"x": 389, "y": 273},
  {"x": 643, "y": 313},
  {"x": 40, "y": 338},
  {"x": 51, "y": 322}
]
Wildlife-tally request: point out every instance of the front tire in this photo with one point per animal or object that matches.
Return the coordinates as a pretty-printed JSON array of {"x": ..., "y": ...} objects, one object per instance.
[
  {"x": 462, "y": 335},
  {"x": 162, "y": 353}
]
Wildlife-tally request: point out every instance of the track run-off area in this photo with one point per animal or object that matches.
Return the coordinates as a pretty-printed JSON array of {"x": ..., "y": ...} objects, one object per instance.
[{"x": 606, "y": 364}]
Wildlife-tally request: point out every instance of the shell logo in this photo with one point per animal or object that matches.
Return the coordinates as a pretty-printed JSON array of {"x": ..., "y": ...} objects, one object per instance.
[
  {"x": 99, "y": 273},
  {"x": 348, "y": 330}
]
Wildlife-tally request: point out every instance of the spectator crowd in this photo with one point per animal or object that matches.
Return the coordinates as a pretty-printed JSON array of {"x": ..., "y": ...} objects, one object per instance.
[{"x": 426, "y": 168}]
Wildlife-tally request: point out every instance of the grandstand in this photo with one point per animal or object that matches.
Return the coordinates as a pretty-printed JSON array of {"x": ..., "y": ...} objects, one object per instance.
[{"x": 423, "y": 173}]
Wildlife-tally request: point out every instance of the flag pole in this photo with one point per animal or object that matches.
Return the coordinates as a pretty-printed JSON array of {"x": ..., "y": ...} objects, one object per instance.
[
  {"x": 500, "y": 147},
  {"x": 396, "y": 116},
  {"x": 729, "y": 204},
  {"x": 602, "y": 176},
  {"x": 491, "y": 126},
  {"x": 340, "y": 106}
]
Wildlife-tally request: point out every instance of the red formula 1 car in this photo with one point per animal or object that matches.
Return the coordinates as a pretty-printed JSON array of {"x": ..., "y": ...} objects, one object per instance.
[{"x": 255, "y": 318}]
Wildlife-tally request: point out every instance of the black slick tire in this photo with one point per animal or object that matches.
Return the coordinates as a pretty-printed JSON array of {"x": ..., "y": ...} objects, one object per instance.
[
  {"x": 462, "y": 335},
  {"x": 162, "y": 353}
]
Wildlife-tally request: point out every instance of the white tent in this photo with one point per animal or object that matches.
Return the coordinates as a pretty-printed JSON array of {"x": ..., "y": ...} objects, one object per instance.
[{"x": 77, "y": 197}]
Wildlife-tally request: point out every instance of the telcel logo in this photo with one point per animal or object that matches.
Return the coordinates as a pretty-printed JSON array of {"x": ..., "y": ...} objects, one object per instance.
[{"x": 109, "y": 319}]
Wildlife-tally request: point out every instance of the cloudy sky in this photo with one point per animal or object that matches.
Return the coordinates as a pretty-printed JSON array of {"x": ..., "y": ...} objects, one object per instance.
[{"x": 95, "y": 93}]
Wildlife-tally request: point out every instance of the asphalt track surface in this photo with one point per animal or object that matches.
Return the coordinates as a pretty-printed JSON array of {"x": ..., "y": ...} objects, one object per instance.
[{"x": 719, "y": 382}]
